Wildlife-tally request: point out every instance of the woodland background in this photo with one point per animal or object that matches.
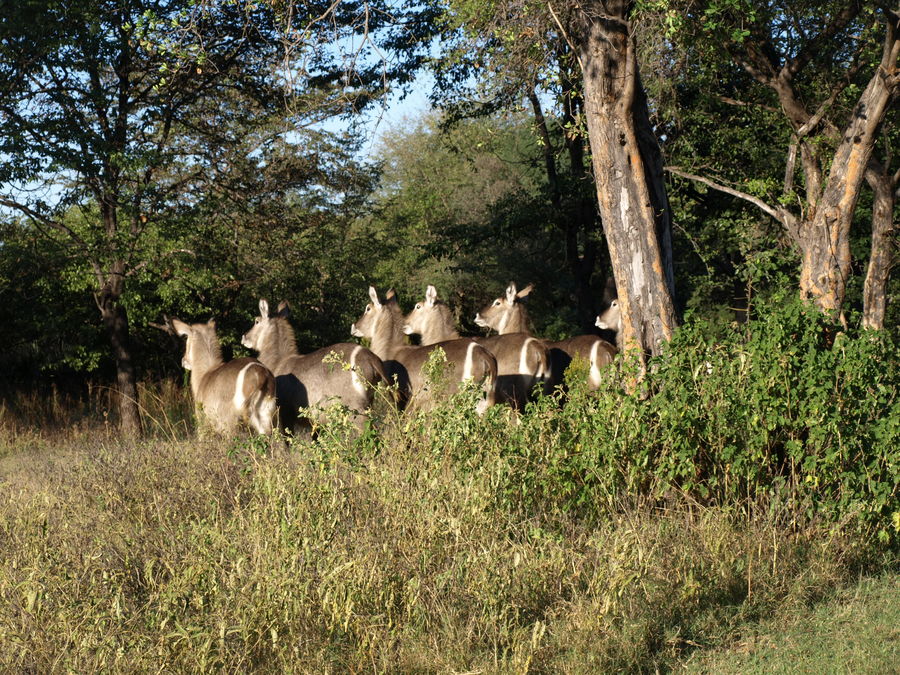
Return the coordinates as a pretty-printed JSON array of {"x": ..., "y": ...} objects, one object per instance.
[{"x": 167, "y": 159}]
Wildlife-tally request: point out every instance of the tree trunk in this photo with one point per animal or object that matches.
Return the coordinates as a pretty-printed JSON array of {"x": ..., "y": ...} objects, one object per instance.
[
  {"x": 628, "y": 172},
  {"x": 875, "y": 289},
  {"x": 825, "y": 232},
  {"x": 115, "y": 321}
]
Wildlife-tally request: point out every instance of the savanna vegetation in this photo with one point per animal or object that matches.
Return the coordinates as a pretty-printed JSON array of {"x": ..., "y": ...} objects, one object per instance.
[{"x": 726, "y": 169}]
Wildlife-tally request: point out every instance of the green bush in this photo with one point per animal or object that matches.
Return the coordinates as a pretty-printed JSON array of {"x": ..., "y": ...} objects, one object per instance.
[
  {"x": 769, "y": 409},
  {"x": 740, "y": 414}
]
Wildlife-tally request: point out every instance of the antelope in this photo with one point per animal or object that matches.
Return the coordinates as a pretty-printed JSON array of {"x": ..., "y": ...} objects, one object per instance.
[
  {"x": 507, "y": 314},
  {"x": 522, "y": 360},
  {"x": 611, "y": 319},
  {"x": 382, "y": 322},
  {"x": 225, "y": 394},
  {"x": 312, "y": 381}
]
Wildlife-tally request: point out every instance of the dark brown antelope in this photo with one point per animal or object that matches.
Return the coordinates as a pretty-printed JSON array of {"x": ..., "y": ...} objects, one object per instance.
[
  {"x": 507, "y": 314},
  {"x": 343, "y": 373},
  {"x": 382, "y": 324},
  {"x": 522, "y": 360},
  {"x": 226, "y": 394}
]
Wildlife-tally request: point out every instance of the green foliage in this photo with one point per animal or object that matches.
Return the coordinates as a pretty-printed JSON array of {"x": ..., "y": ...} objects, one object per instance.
[
  {"x": 467, "y": 209},
  {"x": 767, "y": 407},
  {"x": 743, "y": 414},
  {"x": 47, "y": 323}
]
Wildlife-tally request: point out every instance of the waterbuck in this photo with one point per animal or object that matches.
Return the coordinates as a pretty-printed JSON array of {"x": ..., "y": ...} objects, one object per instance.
[
  {"x": 225, "y": 394},
  {"x": 507, "y": 314},
  {"x": 522, "y": 360},
  {"x": 382, "y": 324},
  {"x": 611, "y": 319},
  {"x": 343, "y": 373}
]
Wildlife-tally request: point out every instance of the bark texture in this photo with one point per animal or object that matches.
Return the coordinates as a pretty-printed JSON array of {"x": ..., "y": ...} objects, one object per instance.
[
  {"x": 884, "y": 188},
  {"x": 628, "y": 170},
  {"x": 825, "y": 233},
  {"x": 115, "y": 322}
]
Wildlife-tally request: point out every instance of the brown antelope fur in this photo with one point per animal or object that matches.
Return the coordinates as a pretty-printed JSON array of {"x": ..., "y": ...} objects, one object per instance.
[
  {"x": 508, "y": 314},
  {"x": 522, "y": 360},
  {"x": 226, "y": 394},
  {"x": 344, "y": 373},
  {"x": 382, "y": 322}
]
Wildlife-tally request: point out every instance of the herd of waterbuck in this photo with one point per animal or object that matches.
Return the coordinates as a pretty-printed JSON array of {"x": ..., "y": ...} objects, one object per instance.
[{"x": 296, "y": 387}]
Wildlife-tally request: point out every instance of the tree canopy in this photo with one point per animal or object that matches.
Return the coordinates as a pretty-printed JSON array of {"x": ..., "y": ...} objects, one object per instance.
[{"x": 163, "y": 158}]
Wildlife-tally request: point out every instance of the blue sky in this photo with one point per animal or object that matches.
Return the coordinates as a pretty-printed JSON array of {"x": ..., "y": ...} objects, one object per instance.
[{"x": 383, "y": 120}]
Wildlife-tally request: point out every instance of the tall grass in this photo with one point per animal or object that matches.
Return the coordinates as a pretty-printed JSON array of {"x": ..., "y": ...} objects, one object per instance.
[
  {"x": 586, "y": 538},
  {"x": 205, "y": 556}
]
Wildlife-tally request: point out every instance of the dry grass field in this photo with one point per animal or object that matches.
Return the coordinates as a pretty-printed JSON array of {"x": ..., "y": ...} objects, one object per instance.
[{"x": 413, "y": 548}]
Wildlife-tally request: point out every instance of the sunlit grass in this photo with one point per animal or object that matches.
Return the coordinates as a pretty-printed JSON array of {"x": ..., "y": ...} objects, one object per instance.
[{"x": 404, "y": 549}]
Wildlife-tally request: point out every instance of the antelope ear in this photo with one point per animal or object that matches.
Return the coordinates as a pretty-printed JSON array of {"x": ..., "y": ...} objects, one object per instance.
[
  {"x": 373, "y": 296},
  {"x": 284, "y": 309},
  {"x": 390, "y": 296},
  {"x": 430, "y": 296},
  {"x": 181, "y": 328},
  {"x": 263, "y": 308},
  {"x": 511, "y": 292},
  {"x": 211, "y": 323},
  {"x": 523, "y": 294}
]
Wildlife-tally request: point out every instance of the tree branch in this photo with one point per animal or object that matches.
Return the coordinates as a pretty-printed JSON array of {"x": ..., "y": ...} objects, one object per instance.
[
  {"x": 748, "y": 104},
  {"x": 44, "y": 220},
  {"x": 819, "y": 42},
  {"x": 779, "y": 213}
]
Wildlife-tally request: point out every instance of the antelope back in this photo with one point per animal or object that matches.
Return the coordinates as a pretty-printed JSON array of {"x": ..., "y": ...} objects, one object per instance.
[
  {"x": 522, "y": 362},
  {"x": 382, "y": 323},
  {"x": 521, "y": 359},
  {"x": 597, "y": 352},
  {"x": 342, "y": 373}
]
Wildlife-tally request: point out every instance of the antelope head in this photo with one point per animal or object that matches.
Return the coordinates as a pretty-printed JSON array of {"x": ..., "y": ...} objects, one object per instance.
[
  {"x": 263, "y": 324},
  {"x": 373, "y": 315},
  {"x": 431, "y": 319},
  {"x": 201, "y": 345},
  {"x": 507, "y": 313},
  {"x": 611, "y": 319}
]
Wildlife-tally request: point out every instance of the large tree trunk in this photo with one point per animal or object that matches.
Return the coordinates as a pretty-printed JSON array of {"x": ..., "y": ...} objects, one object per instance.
[
  {"x": 825, "y": 233},
  {"x": 115, "y": 321},
  {"x": 875, "y": 289},
  {"x": 627, "y": 166}
]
